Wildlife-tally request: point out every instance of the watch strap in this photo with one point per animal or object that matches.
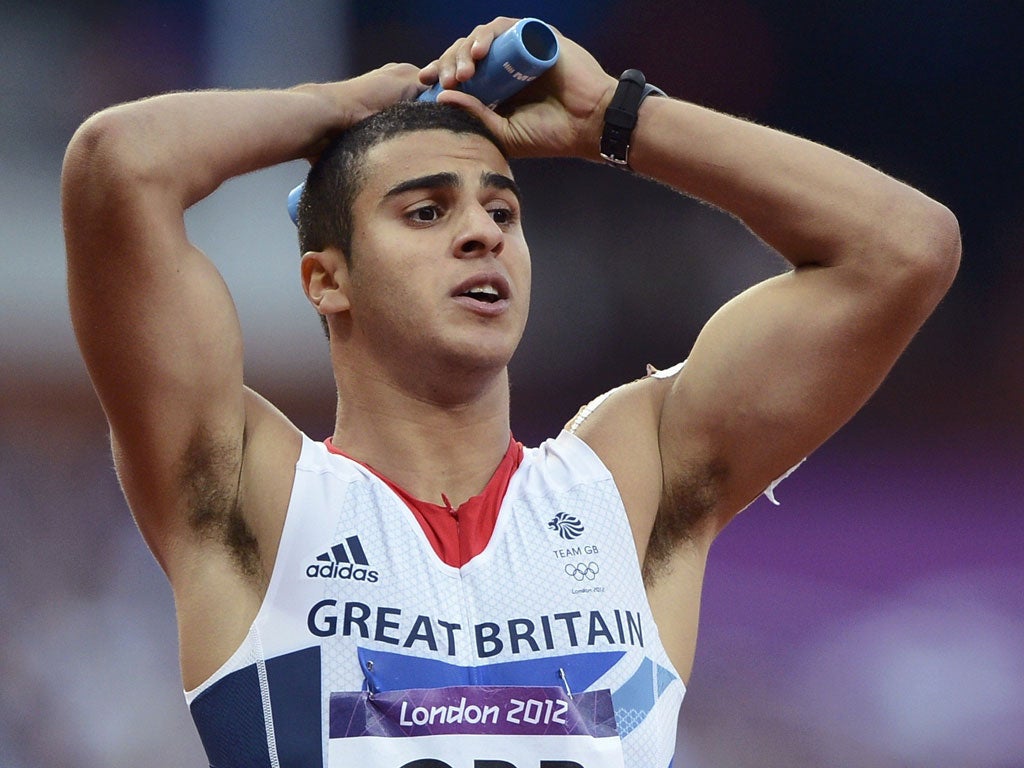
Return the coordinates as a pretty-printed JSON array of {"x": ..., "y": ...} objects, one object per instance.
[{"x": 621, "y": 115}]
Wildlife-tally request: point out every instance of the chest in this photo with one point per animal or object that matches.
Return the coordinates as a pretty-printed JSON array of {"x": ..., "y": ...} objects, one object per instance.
[{"x": 558, "y": 576}]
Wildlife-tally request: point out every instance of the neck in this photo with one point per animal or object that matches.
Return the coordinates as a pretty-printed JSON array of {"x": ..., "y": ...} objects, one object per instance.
[{"x": 430, "y": 443}]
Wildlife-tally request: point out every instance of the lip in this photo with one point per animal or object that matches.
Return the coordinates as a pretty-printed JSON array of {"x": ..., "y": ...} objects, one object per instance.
[{"x": 489, "y": 309}]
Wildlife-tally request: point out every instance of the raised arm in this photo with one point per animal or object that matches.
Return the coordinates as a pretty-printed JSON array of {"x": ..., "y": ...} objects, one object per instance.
[
  {"x": 154, "y": 320},
  {"x": 781, "y": 367}
]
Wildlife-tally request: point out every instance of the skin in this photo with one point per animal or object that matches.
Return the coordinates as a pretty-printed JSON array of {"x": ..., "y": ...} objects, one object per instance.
[
  {"x": 412, "y": 358},
  {"x": 206, "y": 464}
]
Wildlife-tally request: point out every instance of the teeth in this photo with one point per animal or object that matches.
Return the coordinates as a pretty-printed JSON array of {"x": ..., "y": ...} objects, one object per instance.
[{"x": 484, "y": 290}]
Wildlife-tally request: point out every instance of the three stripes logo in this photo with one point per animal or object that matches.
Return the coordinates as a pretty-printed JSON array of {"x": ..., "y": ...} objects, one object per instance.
[{"x": 345, "y": 560}]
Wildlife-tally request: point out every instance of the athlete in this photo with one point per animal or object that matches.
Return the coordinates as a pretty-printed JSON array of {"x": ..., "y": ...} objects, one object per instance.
[{"x": 419, "y": 589}]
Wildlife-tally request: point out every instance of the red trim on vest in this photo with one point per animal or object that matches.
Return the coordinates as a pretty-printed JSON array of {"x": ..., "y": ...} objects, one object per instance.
[{"x": 458, "y": 535}]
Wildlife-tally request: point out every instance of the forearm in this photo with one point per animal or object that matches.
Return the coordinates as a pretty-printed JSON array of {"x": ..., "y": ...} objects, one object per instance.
[
  {"x": 812, "y": 204},
  {"x": 187, "y": 144}
]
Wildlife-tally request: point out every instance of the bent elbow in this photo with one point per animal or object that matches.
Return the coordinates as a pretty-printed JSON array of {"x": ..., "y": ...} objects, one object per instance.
[
  {"x": 942, "y": 254},
  {"x": 926, "y": 252},
  {"x": 104, "y": 150}
]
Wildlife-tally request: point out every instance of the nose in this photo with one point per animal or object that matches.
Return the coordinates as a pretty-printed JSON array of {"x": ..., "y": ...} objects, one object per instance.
[{"x": 479, "y": 235}]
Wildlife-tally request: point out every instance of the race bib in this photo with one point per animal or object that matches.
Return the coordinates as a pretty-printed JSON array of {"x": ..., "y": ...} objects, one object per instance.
[{"x": 474, "y": 727}]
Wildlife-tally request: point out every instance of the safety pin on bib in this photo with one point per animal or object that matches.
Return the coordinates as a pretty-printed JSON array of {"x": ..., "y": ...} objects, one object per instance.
[{"x": 565, "y": 682}]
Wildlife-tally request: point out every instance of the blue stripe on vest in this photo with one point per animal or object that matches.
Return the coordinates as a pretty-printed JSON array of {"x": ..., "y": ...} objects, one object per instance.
[
  {"x": 394, "y": 671},
  {"x": 229, "y": 718},
  {"x": 229, "y": 714},
  {"x": 294, "y": 681}
]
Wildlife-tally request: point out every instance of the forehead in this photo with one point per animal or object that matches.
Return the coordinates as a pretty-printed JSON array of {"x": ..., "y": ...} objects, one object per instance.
[{"x": 424, "y": 153}]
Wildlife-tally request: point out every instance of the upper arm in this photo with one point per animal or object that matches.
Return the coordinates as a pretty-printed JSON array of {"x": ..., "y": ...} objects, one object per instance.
[
  {"x": 773, "y": 374},
  {"x": 781, "y": 367},
  {"x": 154, "y": 321}
]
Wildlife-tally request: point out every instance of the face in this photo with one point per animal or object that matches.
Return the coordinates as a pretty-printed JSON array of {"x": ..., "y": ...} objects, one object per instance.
[{"x": 439, "y": 269}]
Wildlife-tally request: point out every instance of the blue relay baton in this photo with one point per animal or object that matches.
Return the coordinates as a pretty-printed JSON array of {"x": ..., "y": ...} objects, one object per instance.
[{"x": 517, "y": 57}]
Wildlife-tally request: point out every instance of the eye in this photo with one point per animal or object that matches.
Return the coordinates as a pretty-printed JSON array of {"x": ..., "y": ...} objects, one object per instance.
[
  {"x": 503, "y": 216},
  {"x": 425, "y": 214}
]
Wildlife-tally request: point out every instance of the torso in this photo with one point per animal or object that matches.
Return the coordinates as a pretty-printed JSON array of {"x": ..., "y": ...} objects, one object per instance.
[{"x": 576, "y": 603}]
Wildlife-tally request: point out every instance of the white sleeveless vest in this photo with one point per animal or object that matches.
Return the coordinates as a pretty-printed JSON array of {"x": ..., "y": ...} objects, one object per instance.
[{"x": 359, "y": 601}]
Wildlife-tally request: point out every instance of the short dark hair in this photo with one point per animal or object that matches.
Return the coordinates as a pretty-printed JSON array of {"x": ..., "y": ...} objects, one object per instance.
[{"x": 338, "y": 175}]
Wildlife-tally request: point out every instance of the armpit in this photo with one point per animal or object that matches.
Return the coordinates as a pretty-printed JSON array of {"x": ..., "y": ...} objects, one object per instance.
[
  {"x": 685, "y": 507},
  {"x": 210, "y": 473}
]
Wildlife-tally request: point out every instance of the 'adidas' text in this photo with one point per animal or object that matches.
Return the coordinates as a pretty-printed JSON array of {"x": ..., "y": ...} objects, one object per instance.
[
  {"x": 342, "y": 571},
  {"x": 344, "y": 562}
]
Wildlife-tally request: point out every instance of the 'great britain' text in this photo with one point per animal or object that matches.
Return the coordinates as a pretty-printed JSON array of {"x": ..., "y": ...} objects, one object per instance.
[{"x": 571, "y": 629}]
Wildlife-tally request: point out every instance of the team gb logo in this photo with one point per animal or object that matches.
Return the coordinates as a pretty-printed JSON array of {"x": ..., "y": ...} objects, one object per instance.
[{"x": 568, "y": 526}]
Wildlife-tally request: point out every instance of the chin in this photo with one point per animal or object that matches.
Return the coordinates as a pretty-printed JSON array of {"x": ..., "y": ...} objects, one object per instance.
[{"x": 479, "y": 354}]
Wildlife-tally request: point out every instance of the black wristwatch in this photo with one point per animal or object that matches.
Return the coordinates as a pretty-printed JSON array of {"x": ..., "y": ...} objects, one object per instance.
[{"x": 620, "y": 117}]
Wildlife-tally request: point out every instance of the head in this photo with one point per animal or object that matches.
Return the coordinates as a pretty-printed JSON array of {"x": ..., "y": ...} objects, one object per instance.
[
  {"x": 413, "y": 247},
  {"x": 339, "y": 174}
]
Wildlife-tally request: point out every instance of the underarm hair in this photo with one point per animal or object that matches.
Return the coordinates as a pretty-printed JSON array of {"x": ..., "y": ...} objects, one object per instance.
[
  {"x": 685, "y": 506},
  {"x": 211, "y": 472}
]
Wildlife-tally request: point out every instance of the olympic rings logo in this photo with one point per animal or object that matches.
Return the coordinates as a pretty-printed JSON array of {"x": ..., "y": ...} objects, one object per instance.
[{"x": 581, "y": 571}]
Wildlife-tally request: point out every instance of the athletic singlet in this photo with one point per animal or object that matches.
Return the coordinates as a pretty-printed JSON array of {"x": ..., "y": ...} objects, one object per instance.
[
  {"x": 459, "y": 535},
  {"x": 368, "y": 649}
]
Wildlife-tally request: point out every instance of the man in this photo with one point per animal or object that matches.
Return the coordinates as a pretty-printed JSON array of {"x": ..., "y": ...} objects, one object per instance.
[{"x": 419, "y": 574}]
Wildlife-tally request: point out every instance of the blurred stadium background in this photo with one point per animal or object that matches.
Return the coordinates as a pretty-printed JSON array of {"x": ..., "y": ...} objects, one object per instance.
[{"x": 875, "y": 619}]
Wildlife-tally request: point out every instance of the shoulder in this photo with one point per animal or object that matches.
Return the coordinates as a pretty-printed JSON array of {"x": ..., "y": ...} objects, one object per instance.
[
  {"x": 560, "y": 462},
  {"x": 271, "y": 450},
  {"x": 626, "y": 419},
  {"x": 667, "y": 480},
  {"x": 622, "y": 428}
]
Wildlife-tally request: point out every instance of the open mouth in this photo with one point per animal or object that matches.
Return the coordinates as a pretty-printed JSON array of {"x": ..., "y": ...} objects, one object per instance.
[
  {"x": 484, "y": 289},
  {"x": 485, "y": 293}
]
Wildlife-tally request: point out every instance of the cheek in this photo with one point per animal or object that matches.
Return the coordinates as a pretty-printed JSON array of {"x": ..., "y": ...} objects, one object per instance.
[
  {"x": 384, "y": 293},
  {"x": 524, "y": 274}
]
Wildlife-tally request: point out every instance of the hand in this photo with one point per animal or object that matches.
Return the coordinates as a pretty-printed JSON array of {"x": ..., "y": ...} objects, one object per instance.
[
  {"x": 359, "y": 97},
  {"x": 379, "y": 88},
  {"x": 560, "y": 114}
]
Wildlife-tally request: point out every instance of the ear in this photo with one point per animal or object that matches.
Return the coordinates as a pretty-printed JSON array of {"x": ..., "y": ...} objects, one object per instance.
[{"x": 325, "y": 280}]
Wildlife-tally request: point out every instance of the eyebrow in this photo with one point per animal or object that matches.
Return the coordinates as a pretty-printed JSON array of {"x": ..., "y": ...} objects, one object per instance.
[
  {"x": 500, "y": 181},
  {"x": 449, "y": 180}
]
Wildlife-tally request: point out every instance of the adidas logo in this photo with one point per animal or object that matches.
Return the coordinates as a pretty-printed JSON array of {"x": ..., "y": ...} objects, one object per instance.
[{"x": 346, "y": 560}]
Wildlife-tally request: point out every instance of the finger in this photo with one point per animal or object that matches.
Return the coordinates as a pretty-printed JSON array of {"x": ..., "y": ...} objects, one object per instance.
[
  {"x": 402, "y": 73},
  {"x": 494, "y": 122},
  {"x": 458, "y": 63},
  {"x": 428, "y": 74},
  {"x": 465, "y": 66},
  {"x": 480, "y": 42},
  {"x": 484, "y": 35},
  {"x": 447, "y": 63}
]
